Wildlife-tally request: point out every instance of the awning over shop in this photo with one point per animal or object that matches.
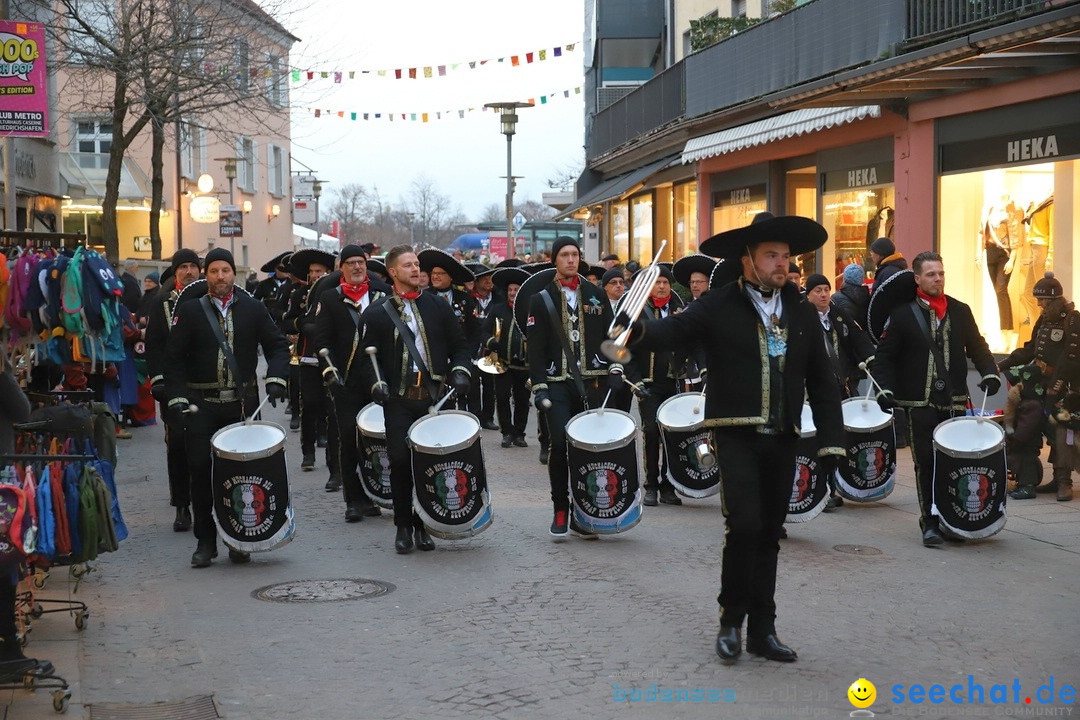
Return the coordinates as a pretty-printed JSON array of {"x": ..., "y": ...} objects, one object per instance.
[
  {"x": 85, "y": 174},
  {"x": 617, "y": 186},
  {"x": 792, "y": 124}
]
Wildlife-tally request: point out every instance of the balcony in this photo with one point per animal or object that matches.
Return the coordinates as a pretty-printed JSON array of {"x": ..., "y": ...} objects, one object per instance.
[
  {"x": 657, "y": 103},
  {"x": 935, "y": 20}
]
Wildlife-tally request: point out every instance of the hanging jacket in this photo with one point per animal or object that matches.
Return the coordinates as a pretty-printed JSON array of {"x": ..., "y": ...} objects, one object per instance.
[
  {"x": 89, "y": 531},
  {"x": 46, "y": 543},
  {"x": 71, "y": 502},
  {"x": 105, "y": 469}
]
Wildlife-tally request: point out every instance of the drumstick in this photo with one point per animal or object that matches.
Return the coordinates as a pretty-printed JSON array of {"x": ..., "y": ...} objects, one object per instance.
[
  {"x": 986, "y": 394},
  {"x": 603, "y": 405},
  {"x": 325, "y": 355},
  {"x": 434, "y": 409},
  {"x": 251, "y": 418},
  {"x": 633, "y": 384},
  {"x": 862, "y": 366},
  {"x": 546, "y": 404},
  {"x": 191, "y": 409},
  {"x": 371, "y": 350},
  {"x": 697, "y": 407}
]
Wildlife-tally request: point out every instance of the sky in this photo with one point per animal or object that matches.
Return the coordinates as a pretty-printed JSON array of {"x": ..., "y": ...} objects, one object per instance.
[{"x": 464, "y": 158}]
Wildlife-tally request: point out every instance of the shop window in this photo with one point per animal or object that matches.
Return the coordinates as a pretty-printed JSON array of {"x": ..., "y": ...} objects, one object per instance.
[
  {"x": 684, "y": 221},
  {"x": 620, "y": 230},
  {"x": 641, "y": 212},
  {"x": 854, "y": 219},
  {"x": 801, "y": 185}
]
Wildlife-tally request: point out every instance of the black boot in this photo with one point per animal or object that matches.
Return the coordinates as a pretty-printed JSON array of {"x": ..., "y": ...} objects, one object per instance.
[
  {"x": 650, "y": 498},
  {"x": 204, "y": 554},
  {"x": 668, "y": 496},
  {"x": 334, "y": 483},
  {"x": 182, "y": 523},
  {"x": 353, "y": 512},
  {"x": 728, "y": 644},
  {"x": 506, "y": 441},
  {"x": 423, "y": 540},
  {"x": 403, "y": 544}
]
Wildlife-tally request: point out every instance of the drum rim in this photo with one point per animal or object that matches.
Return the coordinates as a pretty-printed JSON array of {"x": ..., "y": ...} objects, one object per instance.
[
  {"x": 444, "y": 449},
  {"x": 360, "y": 428},
  {"x": 969, "y": 454},
  {"x": 862, "y": 398},
  {"x": 611, "y": 445},
  {"x": 245, "y": 456},
  {"x": 684, "y": 428}
]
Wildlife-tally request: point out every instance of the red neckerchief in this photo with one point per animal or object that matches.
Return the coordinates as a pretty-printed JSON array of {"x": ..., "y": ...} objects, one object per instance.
[
  {"x": 572, "y": 283},
  {"x": 660, "y": 302},
  {"x": 407, "y": 296},
  {"x": 224, "y": 301},
  {"x": 179, "y": 287},
  {"x": 354, "y": 292},
  {"x": 938, "y": 304}
]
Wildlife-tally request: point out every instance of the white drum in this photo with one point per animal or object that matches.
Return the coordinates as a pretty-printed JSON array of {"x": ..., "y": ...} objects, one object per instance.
[
  {"x": 869, "y": 474},
  {"x": 810, "y": 489},
  {"x": 374, "y": 457},
  {"x": 970, "y": 477},
  {"x": 601, "y": 451},
  {"x": 691, "y": 459}
]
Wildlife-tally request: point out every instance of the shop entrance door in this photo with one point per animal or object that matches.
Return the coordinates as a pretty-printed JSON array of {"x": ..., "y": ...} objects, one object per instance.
[{"x": 800, "y": 186}]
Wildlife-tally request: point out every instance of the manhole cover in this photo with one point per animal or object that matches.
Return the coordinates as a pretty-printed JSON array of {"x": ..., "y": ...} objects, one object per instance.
[
  {"x": 857, "y": 549},
  {"x": 307, "y": 591},
  {"x": 200, "y": 707}
]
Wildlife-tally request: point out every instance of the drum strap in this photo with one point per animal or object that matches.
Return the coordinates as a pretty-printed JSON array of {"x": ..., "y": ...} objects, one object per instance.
[
  {"x": 215, "y": 326},
  {"x": 410, "y": 345},
  {"x": 556, "y": 322},
  {"x": 935, "y": 349}
]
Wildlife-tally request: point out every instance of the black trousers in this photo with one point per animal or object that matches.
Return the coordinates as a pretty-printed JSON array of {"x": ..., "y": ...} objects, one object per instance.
[
  {"x": 482, "y": 396},
  {"x": 346, "y": 404},
  {"x": 315, "y": 412},
  {"x": 921, "y": 424},
  {"x": 399, "y": 414},
  {"x": 512, "y": 387},
  {"x": 656, "y": 463},
  {"x": 996, "y": 258},
  {"x": 542, "y": 435},
  {"x": 294, "y": 388},
  {"x": 201, "y": 426},
  {"x": 176, "y": 459},
  {"x": 756, "y": 471},
  {"x": 565, "y": 404},
  {"x": 8, "y": 581},
  {"x": 622, "y": 399}
]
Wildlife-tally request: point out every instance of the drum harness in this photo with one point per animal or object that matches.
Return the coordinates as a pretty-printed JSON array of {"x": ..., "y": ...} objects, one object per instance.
[
  {"x": 234, "y": 368},
  {"x": 570, "y": 361},
  {"x": 941, "y": 384},
  {"x": 410, "y": 345}
]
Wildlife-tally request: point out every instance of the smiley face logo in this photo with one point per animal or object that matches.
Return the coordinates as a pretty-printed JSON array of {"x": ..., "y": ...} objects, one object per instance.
[{"x": 862, "y": 693}]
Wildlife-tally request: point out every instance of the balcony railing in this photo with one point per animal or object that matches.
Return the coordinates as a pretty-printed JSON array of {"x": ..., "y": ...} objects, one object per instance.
[
  {"x": 656, "y": 103},
  {"x": 938, "y": 19}
]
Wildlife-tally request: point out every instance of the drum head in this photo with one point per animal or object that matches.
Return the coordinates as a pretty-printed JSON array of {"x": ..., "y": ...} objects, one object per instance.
[
  {"x": 677, "y": 412},
  {"x": 248, "y": 440},
  {"x": 601, "y": 430},
  {"x": 807, "y": 428},
  {"x": 370, "y": 421},
  {"x": 965, "y": 435},
  {"x": 863, "y": 414},
  {"x": 445, "y": 432}
]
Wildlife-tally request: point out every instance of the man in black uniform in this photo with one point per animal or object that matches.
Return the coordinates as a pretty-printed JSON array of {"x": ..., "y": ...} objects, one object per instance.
[
  {"x": 1054, "y": 351},
  {"x": 582, "y": 318},
  {"x": 185, "y": 270},
  {"x": 482, "y": 395},
  {"x": 268, "y": 291},
  {"x": 508, "y": 344},
  {"x": 197, "y": 371},
  {"x": 766, "y": 350},
  {"x": 921, "y": 365},
  {"x": 340, "y": 330},
  {"x": 442, "y": 269},
  {"x": 406, "y": 391}
]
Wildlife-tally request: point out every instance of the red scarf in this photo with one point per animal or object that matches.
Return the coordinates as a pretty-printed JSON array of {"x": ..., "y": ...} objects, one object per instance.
[
  {"x": 938, "y": 304},
  {"x": 572, "y": 283},
  {"x": 660, "y": 302},
  {"x": 407, "y": 296},
  {"x": 224, "y": 300},
  {"x": 179, "y": 287},
  {"x": 354, "y": 292}
]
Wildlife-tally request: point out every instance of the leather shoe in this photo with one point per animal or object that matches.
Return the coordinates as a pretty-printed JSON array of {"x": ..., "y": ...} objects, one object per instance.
[
  {"x": 544, "y": 452},
  {"x": 519, "y": 441},
  {"x": 489, "y": 425},
  {"x": 403, "y": 544},
  {"x": 308, "y": 463},
  {"x": 238, "y": 558},
  {"x": 1022, "y": 493},
  {"x": 182, "y": 523},
  {"x": 507, "y": 441},
  {"x": 204, "y": 554},
  {"x": 321, "y": 441},
  {"x": 353, "y": 512},
  {"x": 423, "y": 540},
  {"x": 932, "y": 536},
  {"x": 370, "y": 509},
  {"x": 770, "y": 648},
  {"x": 333, "y": 484},
  {"x": 668, "y": 496},
  {"x": 728, "y": 644},
  {"x": 650, "y": 499}
]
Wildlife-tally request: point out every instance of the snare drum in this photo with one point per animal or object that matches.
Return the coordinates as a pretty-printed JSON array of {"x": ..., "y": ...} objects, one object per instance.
[
  {"x": 870, "y": 471},
  {"x": 374, "y": 460},
  {"x": 450, "y": 481},
  {"x": 251, "y": 486},
  {"x": 969, "y": 477},
  {"x": 691, "y": 460},
  {"x": 601, "y": 447},
  {"x": 809, "y": 491}
]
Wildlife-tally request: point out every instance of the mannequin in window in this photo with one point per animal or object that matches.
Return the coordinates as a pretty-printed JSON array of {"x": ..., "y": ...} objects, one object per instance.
[
  {"x": 1040, "y": 234},
  {"x": 880, "y": 225},
  {"x": 996, "y": 249},
  {"x": 1022, "y": 275}
]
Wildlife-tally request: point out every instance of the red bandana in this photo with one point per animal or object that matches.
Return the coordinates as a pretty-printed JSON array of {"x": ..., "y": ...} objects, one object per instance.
[
  {"x": 354, "y": 292},
  {"x": 224, "y": 300},
  {"x": 938, "y": 304},
  {"x": 572, "y": 283},
  {"x": 660, "y": 302},
  {"x": 179, "y": 287},
  {"x": 407, "y": 296}
]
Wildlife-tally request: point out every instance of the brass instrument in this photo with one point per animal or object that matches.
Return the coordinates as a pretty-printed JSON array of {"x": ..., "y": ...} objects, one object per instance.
[
  {"x": 490, "y": 363},
  {"x": 632, "y": 304}
]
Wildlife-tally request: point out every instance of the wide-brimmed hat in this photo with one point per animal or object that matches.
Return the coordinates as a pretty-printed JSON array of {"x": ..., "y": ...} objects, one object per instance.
[
  {"x": 510, "y": 263},
  {"x": 302, "y": 260},
  {"x": 538, "y": 266},
  {"x": 433, "y": 258},
  {"x": 272, "y": 264},
  {"x": 665, "y": 272},
  {"x": 686, "y": 266},
  {"x": 504, "y": 277},
  {"x": 375, "y": 265},
  {"x": 534, "y": 284},
  {"x": 898, "y": 289},
  {"x": 479, "y": 269},
  {"x": 587, "y": 269},
  {"x": 726, "y": 270},
  {"x": 196, "y": 289},
  {"x": 802, "y": 235}
]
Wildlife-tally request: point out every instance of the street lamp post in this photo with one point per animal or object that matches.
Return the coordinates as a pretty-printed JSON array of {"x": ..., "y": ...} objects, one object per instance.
[
  {"x": 316, "y": 190},
  {"x": 230, "y": 173},
  {"x": 508, "y": 126}
]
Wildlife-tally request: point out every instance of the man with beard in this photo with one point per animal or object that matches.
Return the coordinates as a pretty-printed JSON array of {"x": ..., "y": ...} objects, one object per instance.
[{"x": 507, "y": 343}]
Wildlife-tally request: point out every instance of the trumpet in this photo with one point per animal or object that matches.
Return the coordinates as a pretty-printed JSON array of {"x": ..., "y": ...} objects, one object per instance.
[
  {"x": 490, "y": 363},
  {"x": 632, "y": 304}
]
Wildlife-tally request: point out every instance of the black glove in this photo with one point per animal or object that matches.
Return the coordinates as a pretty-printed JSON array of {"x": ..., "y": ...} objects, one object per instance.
[
  {"x": 176, "y": 415},
  {"x": 990, "y": 385},
  {"x": 615, "y": 380},
  {"x": 459, "y": 380},
  {"x": 157, "y": 390},
  {"x": 380, "y": 391},
  {"x": 541, "y": 400},
  {"x": 333, "y": 382},
  {"x": 642, "y": 393},
  {"x": 492, "y": 344},
  {"x": 886, "y": 402},
  {"x": 276, "y": 391},
  {"x": 827, "y": 465},
  {"x": 623, "y": 320}
]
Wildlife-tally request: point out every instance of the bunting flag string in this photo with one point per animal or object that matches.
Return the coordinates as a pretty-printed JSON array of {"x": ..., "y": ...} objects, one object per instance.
[
  {"x": 424, "y": 117},
  {"x": 432, "y": 71}
]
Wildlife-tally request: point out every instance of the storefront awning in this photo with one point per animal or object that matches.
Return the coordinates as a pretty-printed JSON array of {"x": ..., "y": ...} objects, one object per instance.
[
  {"x": 792, "y": 124},
  {"x": 85, "y": 174},
  {"x": 617, "y": 186}
]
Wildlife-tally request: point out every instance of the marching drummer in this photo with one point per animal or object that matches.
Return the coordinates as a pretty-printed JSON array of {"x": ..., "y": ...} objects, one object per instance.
[
  {"x": 185, "y": 270},
  {"x": 693, "y": 272},
  {"x": 573, "y": 319},
  {"x": 210, "y": 361},
  {"x": 482, "y": 396},
  {"x": 770, "y": 345},
  {"x": 421, "y": 348},
  {"x": 921, "y": 365},
  {"x": 340, "y": 330},
  {"x": 508, "y": 345},
  {"x": 443, "y": 272}
]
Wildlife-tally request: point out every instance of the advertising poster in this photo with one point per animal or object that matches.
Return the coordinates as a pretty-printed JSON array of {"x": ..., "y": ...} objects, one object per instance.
[{"x": 24, "y": 99}]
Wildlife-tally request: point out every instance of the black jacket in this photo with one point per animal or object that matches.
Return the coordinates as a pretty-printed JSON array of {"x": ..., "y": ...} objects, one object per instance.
[
  {"x": 274, "y": 294},
  {"x": 851, "y": 346},
  {"x": 547, "y": 361},
  {"x": 193, "y": 359},
  {"x": 510, "y": 345},
  {"x": 159, "y": 320},
  {"x": 464, "y": 306},
  {"x": 441, "y": 335},
  {"x": 905, "y": 366},
  {"x": 668, "y": 363},
  {"x": 888, "y": 267},
  {"x": 733, "y": 338},
  {"x": 335, "y": 329},
  {"x": 132, "y": 292},
  {"x": 855, "y": 301},
  {"x": 1055, "y": 343}
]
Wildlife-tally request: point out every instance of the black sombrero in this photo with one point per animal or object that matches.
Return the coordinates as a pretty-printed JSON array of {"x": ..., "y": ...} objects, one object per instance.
[
  {"x": 534, "y": 284},
  {"x": 897, "y": 290},
  {"x": 196, "y": 289},
  {"x": 479, "y": 269},
  {"x": 375, "y": 265},
  {"x": 504, "y": 277},
  {"x": 726, "y": 270},
  {"x": 684, "y": 267},
  {"x": 802, "y": 235},
  {"x": 302, "y": 260},
  {"x": 433, "y": 258},
  {"x": 271, "y": 265},
  {"x": 538, "y": 266},
  {"x": 665, "y": 272},
  {"x": 510, "y": 263}
]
